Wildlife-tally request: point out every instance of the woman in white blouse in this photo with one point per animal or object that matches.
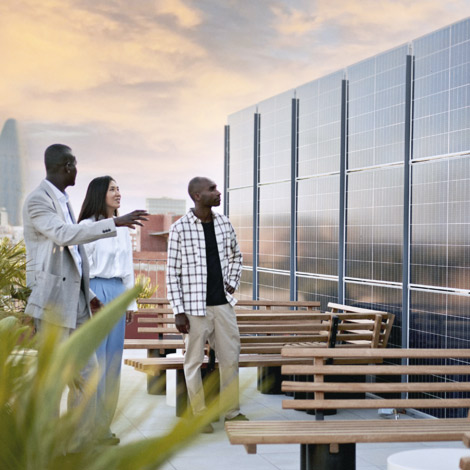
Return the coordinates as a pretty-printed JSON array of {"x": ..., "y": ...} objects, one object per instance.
[{"x": 111, "y": 273}]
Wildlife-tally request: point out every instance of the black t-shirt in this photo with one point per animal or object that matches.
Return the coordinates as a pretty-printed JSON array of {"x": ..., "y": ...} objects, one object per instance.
[{"x": 215, "y": 281}]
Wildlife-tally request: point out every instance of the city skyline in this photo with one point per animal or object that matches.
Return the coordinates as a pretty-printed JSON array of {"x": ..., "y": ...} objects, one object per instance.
[
  {"x": 12, "y": 169},
  {"x": 141, "y": 90}
]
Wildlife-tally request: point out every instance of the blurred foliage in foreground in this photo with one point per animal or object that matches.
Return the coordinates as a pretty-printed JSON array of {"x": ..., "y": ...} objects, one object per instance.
[
  {"x": 32, "y": 434},
  {"x": 13, "y": 290},
  {"x": 148, "y": 290}
]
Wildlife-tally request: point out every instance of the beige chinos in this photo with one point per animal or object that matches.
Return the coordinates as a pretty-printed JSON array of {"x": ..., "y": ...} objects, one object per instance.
[{"x": 220, "y": 328}]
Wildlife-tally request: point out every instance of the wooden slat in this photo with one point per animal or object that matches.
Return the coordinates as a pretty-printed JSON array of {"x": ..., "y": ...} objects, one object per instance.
[
  {"x": 356, "y": 326},
  {"x": 156, "y": 330},
  {"x": 278, "y": 311},
  {"x": 261, "y": 349},
  {"x": 153, "y": 343},
  {"x": 386, "y": 353},
  {"x": 278, "y": 303},
  {"x": 353, "y": 316},
  {"x": 280, "y": 317},
  {"x": 344, "y": 432},
  {"x": 349, "y": 308},
  {"x": 306, "y": 327},
  {"x": 156, "y": 310},
  {"x": 261, "y": 303},
  {"x": 388, "y": 387},
  {"x": 159, "y": 320},
  {"x": 375, "y": 404},
  {"x": 300, "y": 338},
  {"x": 244, "y": 317},
  {"x": 371, "y": 369},
  {"x": 152, "y": 366},
  {"x": 355, "y": 337}
]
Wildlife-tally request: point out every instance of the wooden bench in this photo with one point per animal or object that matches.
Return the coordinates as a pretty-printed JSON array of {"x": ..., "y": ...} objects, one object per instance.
[
  {"x": 167, "y": 340},
  {"x": 147, "y": 317},
  {"x": 264, "y": 334},
  {"x": 160, "y": 308},
  {"x": 157, "y": 318},
  {"x": 385, "y": 329},
  {"x": 262, "y": 304},
  {"x": 268, "y": 331},
  {"x": 327, "y": 445}
]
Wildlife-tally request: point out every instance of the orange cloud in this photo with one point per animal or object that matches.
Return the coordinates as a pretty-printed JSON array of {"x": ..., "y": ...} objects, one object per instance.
[{"x": 157, "y": 81}]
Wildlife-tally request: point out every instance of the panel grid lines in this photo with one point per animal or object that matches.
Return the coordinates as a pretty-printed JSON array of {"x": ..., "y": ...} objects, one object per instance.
[
  {"x": 376, "y": 108},
  {"x": 442, "y": 92},
  {"x": 318, "y": 225},
  {"x": 275, "y": 138},
  {"x": 241, "y": 147},
  {"x": 362, "y": 111},
  {"x": 274, "y": 226},
  {"x": 374, "y": 225},
  {"x": 320, "y": 125}
]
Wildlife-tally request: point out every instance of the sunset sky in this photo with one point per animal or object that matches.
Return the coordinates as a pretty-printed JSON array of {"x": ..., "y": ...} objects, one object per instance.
[{"x": 142, "y": 89}]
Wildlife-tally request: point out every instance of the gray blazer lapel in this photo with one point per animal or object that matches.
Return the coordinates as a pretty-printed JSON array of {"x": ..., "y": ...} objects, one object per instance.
[
  {"x": 72, "y": 215},
  {"x": 81, "y": 252},
  {"x": 48, "y": 190}
]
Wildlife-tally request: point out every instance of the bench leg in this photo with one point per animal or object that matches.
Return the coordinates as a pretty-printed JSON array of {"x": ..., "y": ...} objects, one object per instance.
[
  {"x": 319, "y": 457},
  {"x": 156, "y": 385},
  {"x": 270, "y": 380},
  {"x": 303, "y": 457}
]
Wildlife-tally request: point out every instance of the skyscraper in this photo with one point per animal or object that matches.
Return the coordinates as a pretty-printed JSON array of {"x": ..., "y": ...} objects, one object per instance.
[{"x": 11, "y": 171}]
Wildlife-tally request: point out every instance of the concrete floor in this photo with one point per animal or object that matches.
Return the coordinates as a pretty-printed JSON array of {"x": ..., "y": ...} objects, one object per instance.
[{"x": 142, "y": 416}]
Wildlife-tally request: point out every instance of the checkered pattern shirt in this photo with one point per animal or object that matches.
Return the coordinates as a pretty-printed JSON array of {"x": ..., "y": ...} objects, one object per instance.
[{"x": 187, "y": 265}]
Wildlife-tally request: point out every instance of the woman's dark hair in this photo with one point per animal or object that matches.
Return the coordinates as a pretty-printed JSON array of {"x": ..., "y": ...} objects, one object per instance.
[{"x": 94, "y": 204}]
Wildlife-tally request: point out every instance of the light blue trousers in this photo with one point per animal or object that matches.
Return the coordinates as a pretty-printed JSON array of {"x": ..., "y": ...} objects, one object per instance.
[{"x": 109, "y": 355}]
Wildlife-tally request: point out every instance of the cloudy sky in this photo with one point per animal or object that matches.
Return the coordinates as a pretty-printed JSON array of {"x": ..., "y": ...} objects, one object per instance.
[{"x": 141, "y": 89}]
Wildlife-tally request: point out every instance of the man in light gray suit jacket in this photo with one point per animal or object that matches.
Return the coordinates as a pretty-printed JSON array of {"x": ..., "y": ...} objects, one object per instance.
[{"x": 57, "y": 266}]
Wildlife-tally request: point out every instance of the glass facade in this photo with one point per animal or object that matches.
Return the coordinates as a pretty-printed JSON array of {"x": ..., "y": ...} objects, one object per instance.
[{"x": 357, "y": 189}]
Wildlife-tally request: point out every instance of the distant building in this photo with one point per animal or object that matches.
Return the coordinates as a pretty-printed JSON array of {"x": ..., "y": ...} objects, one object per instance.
[
  {"x": 150, "y": 244},
  {"x": 3, "y": 217},
  {"x": 165, "y": 205},
  {"x": 153, "y": 236},
  {"x": 15, "y": 234},
  {"x": 11, "y": 172}
]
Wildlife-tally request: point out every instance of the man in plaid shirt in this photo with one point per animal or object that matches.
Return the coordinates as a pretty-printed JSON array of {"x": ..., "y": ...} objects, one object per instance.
[{"x": 203, "y": 271}]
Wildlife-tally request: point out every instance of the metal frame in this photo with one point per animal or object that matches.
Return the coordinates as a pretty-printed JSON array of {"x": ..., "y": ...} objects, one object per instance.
[
  {"x": 293, "y": 196},
  {"x": 226, "y": 168},
  {"x": 343, "y": 190},
  {"x": 256, "y": 153}
]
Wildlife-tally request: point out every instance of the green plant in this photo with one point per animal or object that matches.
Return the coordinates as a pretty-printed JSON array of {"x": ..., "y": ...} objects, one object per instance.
[
  {"x": 33, "y": 436},
  {"x": 13, "y": 290},
  {"x": 147, "y": 289}
]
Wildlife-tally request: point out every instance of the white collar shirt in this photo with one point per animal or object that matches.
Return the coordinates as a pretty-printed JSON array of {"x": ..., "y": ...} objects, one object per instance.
[
  {"x": 63, "y": 199},
  {"x": 112, "y": 257}
]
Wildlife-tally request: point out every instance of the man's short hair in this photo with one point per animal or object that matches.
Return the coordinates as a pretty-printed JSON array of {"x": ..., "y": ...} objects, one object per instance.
[
  {"x": 195, "y": 185},
  {"x": 55, "y": 156}
]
